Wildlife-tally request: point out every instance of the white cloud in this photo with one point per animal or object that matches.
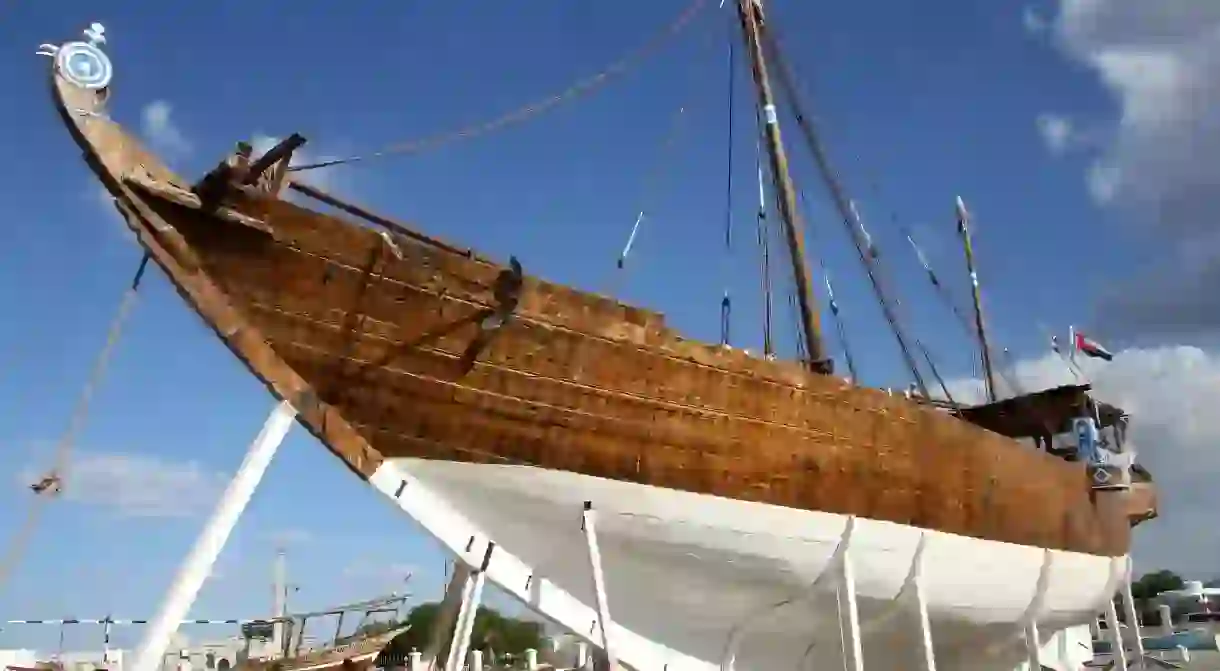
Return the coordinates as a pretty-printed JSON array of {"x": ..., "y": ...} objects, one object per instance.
[
  {"x": 1172, "y": 394},
  {"x": 134, "y": 485},
  {"x": 158, "y": 126},
  {"x": 1160, "y": 63},
  {"x": 1056, "y": 131}
]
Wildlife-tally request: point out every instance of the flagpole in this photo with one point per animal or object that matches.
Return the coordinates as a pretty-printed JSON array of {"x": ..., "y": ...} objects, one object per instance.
[
  {"x": 1054, "y": 339},
  {"x": 1072, "y": 356}
]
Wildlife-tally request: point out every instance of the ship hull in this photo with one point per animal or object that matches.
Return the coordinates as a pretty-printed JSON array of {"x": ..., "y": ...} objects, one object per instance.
[
  {"x": 691, "y": 572},
  {"x": 728, "y": 481},
  {"x": 380, "y": 340}
]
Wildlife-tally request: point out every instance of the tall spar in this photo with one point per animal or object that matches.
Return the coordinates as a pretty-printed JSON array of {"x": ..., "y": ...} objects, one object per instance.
[{"x": 750, "y": 13}]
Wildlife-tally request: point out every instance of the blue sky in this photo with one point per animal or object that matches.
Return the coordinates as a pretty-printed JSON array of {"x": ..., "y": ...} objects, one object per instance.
[{"x": 917, "y": 107}]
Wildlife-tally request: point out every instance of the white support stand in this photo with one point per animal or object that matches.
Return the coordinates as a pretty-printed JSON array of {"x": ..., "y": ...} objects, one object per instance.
[
  {"x": 927, "y": 655},
  {"x": 1166, "y": 619},
  {"x": 911, "y": 600},
  {"x": 279, "y": 604},
  {"x": 198, "y": 564},
  {"x": 106, "y": 642},
  {"x": 516, "y": 577},
  {"x": 415, "y": 661},
  {"x": 476, "y": 660},
  {"x": 1028, "y": 623},
  {"x": 446, "y": 621},
  {"x": 531, "y": 659},
  {"x": 1033, "y": 646},
  {"x": 472, "y": 597},
  {"x": 588, "y": 523},
  {"x": 849, "y": 615},
  {"x": 1116, "y": 638},
  {"x": 833, "y": 573},
  {"x": 1133, "y": 621}
]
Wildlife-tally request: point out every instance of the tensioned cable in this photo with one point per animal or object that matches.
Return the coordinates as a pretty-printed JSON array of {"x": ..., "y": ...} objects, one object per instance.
[{"x": 533, "y": 109}]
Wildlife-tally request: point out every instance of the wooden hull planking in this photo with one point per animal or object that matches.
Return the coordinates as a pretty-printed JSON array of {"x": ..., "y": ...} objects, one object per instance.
[{"x": 366, "y": 335}]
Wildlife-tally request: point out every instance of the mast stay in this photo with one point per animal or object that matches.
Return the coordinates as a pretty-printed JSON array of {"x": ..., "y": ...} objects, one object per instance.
[
  {"x": 963, "y": 229},
  {"x": 838, "y": 195}
]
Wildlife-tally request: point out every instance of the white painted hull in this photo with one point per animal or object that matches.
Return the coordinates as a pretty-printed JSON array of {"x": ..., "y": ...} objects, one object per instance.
[{"x": 684, "y": 571}]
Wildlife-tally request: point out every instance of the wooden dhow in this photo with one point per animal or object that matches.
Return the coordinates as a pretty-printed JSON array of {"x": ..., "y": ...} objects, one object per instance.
[{"x": 736, "y": 480}]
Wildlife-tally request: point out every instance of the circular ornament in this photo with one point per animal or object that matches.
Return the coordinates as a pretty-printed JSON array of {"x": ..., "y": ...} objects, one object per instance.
[{"x": 84, "y": 65}]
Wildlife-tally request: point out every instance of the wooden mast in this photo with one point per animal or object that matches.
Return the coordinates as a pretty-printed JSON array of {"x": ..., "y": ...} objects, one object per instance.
[
  {"x": 750, "y": 13},
  {"x": 963, "y": 227}
]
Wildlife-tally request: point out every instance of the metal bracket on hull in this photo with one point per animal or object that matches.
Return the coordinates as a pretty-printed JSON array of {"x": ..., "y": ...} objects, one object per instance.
[{"x": 588, "y": 525}]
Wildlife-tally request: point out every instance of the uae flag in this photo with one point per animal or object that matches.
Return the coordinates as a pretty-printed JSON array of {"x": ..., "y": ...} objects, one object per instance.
[{"x": 1092, "y": 347}]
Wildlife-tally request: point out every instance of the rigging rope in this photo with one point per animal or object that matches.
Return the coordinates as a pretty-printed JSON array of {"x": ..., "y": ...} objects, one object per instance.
[
  {"x": 846, "y": 210},
  {"x": 833, "y": 304},
  {"x": 947, "y": 298},
  {"x": 52, "y": 483},
  {"x": 726, "y": 303},
  {"x": 529, "y": 111},
  {"x": 839, "y": 327},
  {"x": 873, "y": 252},
  {"x": 650, "y": 185},
  {"x": 764, "y": 245},
  {"x": 650, "y": 182}
]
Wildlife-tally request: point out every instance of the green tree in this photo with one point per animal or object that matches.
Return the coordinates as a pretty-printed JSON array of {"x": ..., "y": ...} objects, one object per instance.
[{"x": 1152, "y": 584}]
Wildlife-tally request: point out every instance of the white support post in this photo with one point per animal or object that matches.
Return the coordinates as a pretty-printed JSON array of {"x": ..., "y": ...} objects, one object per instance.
[
  {"x": 1133, "y": 621},
  {"x": 589, "y": 520},
  {"x": 1033, "y": 646},
  {"x": 106, "y": 642},
  {"x": 476, "y": 660},
  {"x": 531, "y": 659},
  {"x": 279, "y": 603},
  {"x": 1116, "y": 638},
  {"x": 447, "y": 619},
  {"x": 415, "y": 661},
  {"x": 198, "y": 565},
  {"x": 1166, "y": 615},
  {"x": 728, "y": 661},
  {"x": 927, "y": 652},
  {"x": 460, "y": 645},
  {"x": 849, "y": 615}
]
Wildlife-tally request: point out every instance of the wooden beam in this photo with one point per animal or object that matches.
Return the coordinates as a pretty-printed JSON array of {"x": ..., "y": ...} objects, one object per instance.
[
  {"x": 388, "y": 224},
  {"x": 280, "y": 152}
]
